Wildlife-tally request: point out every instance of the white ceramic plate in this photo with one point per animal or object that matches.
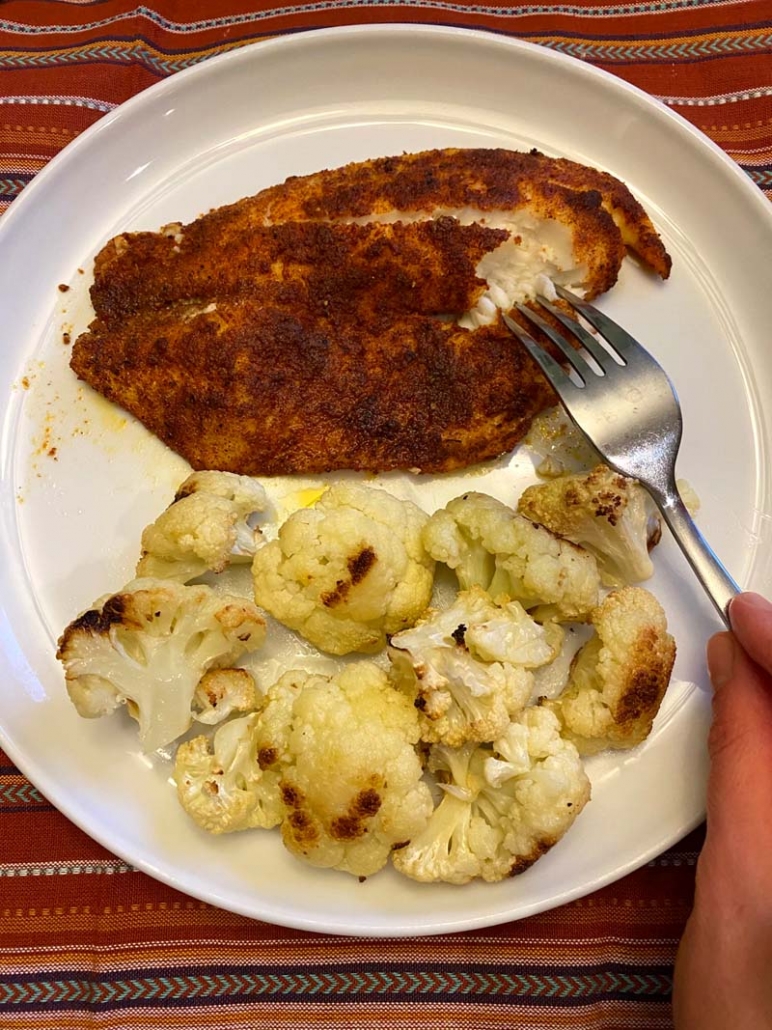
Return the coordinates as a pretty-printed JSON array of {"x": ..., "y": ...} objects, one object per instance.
[{"x": 79, "y": 481}]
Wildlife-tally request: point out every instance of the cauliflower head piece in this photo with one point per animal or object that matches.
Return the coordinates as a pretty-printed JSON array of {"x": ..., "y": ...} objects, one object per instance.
[
  {"x": 348, "y": 571},
  {"x": 558, "y": 445},
  {"x": 466, "y": 668},
  {"x": 221, "y": 692},
  {"x": 620, "y": 675},
  {"x": 205, "y": 528},
  {"x": 148, "y": 648},
  {"x": 220, "y": 783},
  {"x": 608, "y": 514},
  {"x": 503, "y": 806},
  {"x": 489, "y": 545},
  {"x": 341, "y": 753}
]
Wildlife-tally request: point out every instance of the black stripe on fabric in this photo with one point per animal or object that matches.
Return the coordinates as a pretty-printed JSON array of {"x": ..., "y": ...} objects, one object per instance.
[
  {"x": 25, "y": 809},
  {"x": 66, "y": 990},
  {"x": 570, "y": 45},
  {"x": 745, "y": 29}
]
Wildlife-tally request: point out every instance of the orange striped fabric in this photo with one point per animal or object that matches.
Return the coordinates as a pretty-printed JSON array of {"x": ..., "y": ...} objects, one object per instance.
[{"x": 85, "y": 940}]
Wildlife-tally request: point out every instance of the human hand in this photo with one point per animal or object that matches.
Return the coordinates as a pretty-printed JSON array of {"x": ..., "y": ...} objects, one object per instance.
[{"x": 723, "y": 975}]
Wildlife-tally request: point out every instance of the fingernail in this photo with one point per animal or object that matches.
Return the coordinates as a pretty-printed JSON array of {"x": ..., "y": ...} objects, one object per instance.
[
  {"x": 754, "y": 601},
  {"x": 721, "y": 655}
]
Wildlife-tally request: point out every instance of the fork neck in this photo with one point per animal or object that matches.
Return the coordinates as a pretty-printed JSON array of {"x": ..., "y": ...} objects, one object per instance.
[{"x": 715, "y": 579}]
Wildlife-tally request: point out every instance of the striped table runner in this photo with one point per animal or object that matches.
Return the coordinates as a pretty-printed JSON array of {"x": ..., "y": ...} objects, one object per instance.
[{"x": 87, "y": 941}]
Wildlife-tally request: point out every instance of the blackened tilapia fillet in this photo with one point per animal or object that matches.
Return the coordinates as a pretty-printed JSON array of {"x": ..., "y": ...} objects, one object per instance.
[
  {"x": 423, "y": 268},
  {"x": 264, "y": 389},
  {"x": 601, "y": 211}
]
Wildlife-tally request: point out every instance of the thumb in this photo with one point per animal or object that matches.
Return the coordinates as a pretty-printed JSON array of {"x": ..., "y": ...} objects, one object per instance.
[
  {"x": 740, "y": 741},
  {"x": 751, "y": 618}
]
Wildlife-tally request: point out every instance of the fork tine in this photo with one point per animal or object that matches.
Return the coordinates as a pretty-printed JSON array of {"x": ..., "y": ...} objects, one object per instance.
[
  {"x": 552, "y": 370},
  {"x": 572, "y": 356},
  {"x": 617, "y": 337},
  {"x": 591, "y": 345}
]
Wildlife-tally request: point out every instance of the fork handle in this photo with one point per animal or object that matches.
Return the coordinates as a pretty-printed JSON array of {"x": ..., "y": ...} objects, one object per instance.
[{"x": 718, "y": 584}]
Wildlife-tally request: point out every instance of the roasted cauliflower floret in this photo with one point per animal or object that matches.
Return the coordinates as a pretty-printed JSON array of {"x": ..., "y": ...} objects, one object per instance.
[
  {"x": 620, "y": 676},
  {"x": 560, "y": 447},
  {"x": 341, "y": 751},
  {"x": 221, "y": 692},
  {"x": 205, "y": 528},
  {"x": 149, "y": 646},
  {"x": 220, "y": 783},
  {"x": 489, "y": 545},
  {"x": 466, "y": 668},
  {"x": 503, "y": 807},
  {"x": 608, "y": 514},
  {"x": 348, "y": 571}
]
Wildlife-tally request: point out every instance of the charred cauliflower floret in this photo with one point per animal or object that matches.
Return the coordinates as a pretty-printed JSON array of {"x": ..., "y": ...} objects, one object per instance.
[
  {"x": 558, "y": 444},
  {"x": 220, "y": 783},
  {"x": 341, "y": 753},
  {"x": 221, "y": 692},
  {"x": 561, "y": 449},
  {"x": 503, "y": 807},
  {"x": 608, "y": 514},
  {"x": 620, "y": 676},
  {"x": 466, "y": 668},
  {"x": 149, "y": 646},
  {"x": 205, "y": 528},
  {"x": 348, "y": 571},
  {"x": 489, "y": 545}
]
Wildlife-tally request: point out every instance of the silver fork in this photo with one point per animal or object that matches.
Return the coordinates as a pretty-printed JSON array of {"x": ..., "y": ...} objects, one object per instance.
[{"x": 626, "y": 407}]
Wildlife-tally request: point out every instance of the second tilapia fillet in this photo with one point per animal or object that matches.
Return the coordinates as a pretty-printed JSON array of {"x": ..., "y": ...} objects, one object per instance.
[{"x": 510, "y": 189}]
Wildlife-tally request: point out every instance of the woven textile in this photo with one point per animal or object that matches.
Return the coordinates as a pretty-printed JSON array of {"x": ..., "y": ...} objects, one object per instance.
[{"x": 87, "y": 941}]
